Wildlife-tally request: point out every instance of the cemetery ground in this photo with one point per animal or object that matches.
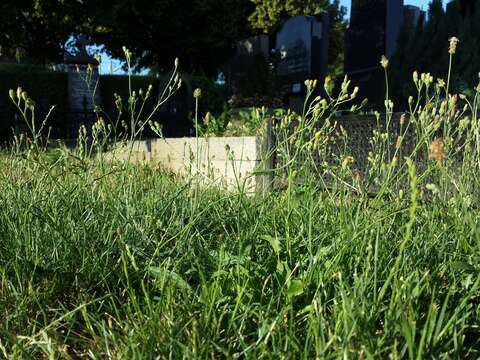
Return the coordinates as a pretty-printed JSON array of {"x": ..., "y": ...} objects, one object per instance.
[{"x": 115, "y": 260}]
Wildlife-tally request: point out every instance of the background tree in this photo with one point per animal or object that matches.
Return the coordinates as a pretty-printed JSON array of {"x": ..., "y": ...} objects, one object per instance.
[
  {"x": 199, "y": 32},
  {"x": 425, "y": 48},
  {"x": 269, "y": 14},
  {"x": 36, "y": 31}
]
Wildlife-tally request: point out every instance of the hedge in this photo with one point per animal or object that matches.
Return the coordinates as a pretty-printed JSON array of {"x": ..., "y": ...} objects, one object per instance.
[
  {"x": 48, "y": 88},
  {"x": 212, "y": 94},
  {"x": 45, "y": 86}
]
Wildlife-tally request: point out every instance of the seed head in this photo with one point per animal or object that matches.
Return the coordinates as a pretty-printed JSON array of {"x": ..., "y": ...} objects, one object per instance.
[
  {"x": 118, "y": 104},
  {"x": 436, "y": 150},
  {"x": 453, "y": 45},
  {"x": 11, "y": 93},
  {"x": 398, "y": 144}
]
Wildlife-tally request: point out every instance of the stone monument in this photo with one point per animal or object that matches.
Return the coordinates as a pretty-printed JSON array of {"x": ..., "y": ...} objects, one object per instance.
[
  {"x": 301, "y": 54},
  {"x": 82, "y": 70},
  {"x": 240, "y": 68},
  {"x": 373, "y": 31}
]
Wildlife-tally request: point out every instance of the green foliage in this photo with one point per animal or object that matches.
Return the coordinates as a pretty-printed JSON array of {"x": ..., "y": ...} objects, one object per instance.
[
  {"x": 47, "y": 87},
  {"x": 200, "y": 33},
  {"x": 269, "y": 14},
  {"x": 36, "y": 31},
  {"x": 214, "y": 125},
  {"x": 238, "y": 122},
  {"x": 336, "y": 41},
  {"x": 155, "y": 31}
]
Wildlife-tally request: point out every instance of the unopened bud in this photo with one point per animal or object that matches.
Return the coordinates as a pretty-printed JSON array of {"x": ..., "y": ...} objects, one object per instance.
[
  {"x": 384, "y": 62},
  {"x": 354, "y": 93}
]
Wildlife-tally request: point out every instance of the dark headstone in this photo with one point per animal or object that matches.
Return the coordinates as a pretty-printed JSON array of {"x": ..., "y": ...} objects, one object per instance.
[
  {"x": 373, "y": 31},
  {"x": 301, "y": 54},
  {"x": 82, "y": 70},
  {"x": 250, "y": 53}
]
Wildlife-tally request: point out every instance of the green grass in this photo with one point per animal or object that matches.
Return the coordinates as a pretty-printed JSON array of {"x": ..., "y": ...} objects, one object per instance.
[
  {"x": 115, "y": 260},
  {"x": 122, "y": 261}
]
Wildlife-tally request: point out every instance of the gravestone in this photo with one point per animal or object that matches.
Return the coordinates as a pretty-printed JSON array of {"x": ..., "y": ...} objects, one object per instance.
[
  {"x": 80, "y": 87},
  {"x": 250, "y": 54},
  {"x": 372, "y": 32},
  {"x": 301, "y": 54}
]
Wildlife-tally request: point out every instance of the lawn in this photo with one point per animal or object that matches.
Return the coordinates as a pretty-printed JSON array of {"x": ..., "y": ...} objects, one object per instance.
[{"x": 110, "y": 260}]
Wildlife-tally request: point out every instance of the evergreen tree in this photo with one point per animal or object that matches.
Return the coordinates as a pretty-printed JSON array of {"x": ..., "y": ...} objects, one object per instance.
[{"x": 425, "y": 49}]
